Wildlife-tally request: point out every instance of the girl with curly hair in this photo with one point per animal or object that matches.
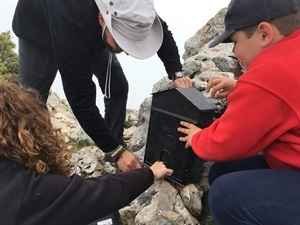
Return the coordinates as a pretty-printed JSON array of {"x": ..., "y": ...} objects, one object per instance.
[{"x": 36, "y": 186}]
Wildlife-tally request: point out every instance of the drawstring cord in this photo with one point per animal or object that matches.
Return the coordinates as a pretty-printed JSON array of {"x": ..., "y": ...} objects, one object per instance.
[
  {"x": 108, "y": 77},
  {"x": 108, "y": 71}
]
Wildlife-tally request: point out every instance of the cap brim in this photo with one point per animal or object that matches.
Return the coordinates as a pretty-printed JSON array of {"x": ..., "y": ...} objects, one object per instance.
[
  {"x": 141, "y": 49},
  {"x": 223, "y": 38}
]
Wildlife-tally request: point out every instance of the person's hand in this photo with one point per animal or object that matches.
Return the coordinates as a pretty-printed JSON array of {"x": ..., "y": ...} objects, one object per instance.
[
  {"x": 184, "y": 82},
  {"x": 221, "y": 86},
  {"x": 128, "y": 161},
  {"x": 160, "y": 170},
  {"x": 188, "y": 129}
]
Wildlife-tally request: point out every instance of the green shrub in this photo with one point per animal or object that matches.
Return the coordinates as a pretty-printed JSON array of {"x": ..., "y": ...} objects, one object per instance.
[{"x": 9, "y": 66}]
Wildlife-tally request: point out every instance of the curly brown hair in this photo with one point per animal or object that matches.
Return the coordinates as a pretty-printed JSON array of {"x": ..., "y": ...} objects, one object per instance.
[{"x": 27, "y": 135}]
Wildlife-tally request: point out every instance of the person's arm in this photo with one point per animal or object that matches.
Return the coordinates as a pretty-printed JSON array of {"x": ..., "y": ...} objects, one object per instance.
[
  {"x": 55, "y": 199},
  {"x": 76, "y": 36},
  {"x": 169, "y": 55},
  {"x": 250, "y": 124},
  {"x": 168, "y": 52}
]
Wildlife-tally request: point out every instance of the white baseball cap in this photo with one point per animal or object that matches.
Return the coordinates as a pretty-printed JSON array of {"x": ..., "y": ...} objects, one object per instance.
[{"x": 134, "y": 25}]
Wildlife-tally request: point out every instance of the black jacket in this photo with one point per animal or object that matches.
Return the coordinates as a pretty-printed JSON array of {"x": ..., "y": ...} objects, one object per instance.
[
  {"x": 30, "y": 198},
  {"x": 70, "y": 29}
]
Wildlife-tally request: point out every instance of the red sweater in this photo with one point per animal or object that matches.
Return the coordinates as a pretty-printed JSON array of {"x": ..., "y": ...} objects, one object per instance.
[{"x": 263, "y": 112}]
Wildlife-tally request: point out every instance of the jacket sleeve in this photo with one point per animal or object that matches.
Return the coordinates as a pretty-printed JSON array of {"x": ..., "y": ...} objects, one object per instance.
[
  {"x": 54, "y": 199},
  {"x": 250, "y": 124},
  {"x": 168, "y": 52},
  {"x": 74, "y": 42}
]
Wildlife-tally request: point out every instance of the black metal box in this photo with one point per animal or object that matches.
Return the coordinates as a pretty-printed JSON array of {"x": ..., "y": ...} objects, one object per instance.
[{"x": 167, "y": 110}]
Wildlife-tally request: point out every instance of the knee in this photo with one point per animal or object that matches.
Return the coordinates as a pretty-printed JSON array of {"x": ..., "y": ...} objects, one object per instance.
[{"x": 228, "y": 199}]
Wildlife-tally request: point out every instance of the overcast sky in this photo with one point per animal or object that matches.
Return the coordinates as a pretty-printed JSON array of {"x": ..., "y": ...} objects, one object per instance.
[{"x": 184, "y": 19}]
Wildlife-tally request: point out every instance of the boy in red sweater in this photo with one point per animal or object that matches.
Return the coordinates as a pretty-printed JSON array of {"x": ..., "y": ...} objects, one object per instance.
[{"x": 263, "y": 115}]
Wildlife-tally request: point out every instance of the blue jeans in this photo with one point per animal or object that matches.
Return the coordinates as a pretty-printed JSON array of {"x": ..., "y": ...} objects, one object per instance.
[
  {"x": 248, "y": 192},
  {"x": 38, "y": 70}
]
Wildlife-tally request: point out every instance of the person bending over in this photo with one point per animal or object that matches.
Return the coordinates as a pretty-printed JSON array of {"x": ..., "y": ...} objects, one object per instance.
[{"x": 80, "y": 39}]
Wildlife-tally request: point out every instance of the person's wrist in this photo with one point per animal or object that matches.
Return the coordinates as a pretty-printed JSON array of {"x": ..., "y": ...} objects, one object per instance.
[
  {"x": 108, "y": 155},
  {"x": 117, "y": 153},
  {"x": 177, "y": 75}
]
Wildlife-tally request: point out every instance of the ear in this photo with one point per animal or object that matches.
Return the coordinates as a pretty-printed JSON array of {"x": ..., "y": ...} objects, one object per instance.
[
  {"x": 268, "y": 34},
  {"x": 101, "y": 20},
  {"x": 265, "y": 34}
]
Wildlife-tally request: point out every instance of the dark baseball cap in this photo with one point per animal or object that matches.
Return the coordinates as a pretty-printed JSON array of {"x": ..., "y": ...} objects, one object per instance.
[{"x": 245, "y": 13}]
